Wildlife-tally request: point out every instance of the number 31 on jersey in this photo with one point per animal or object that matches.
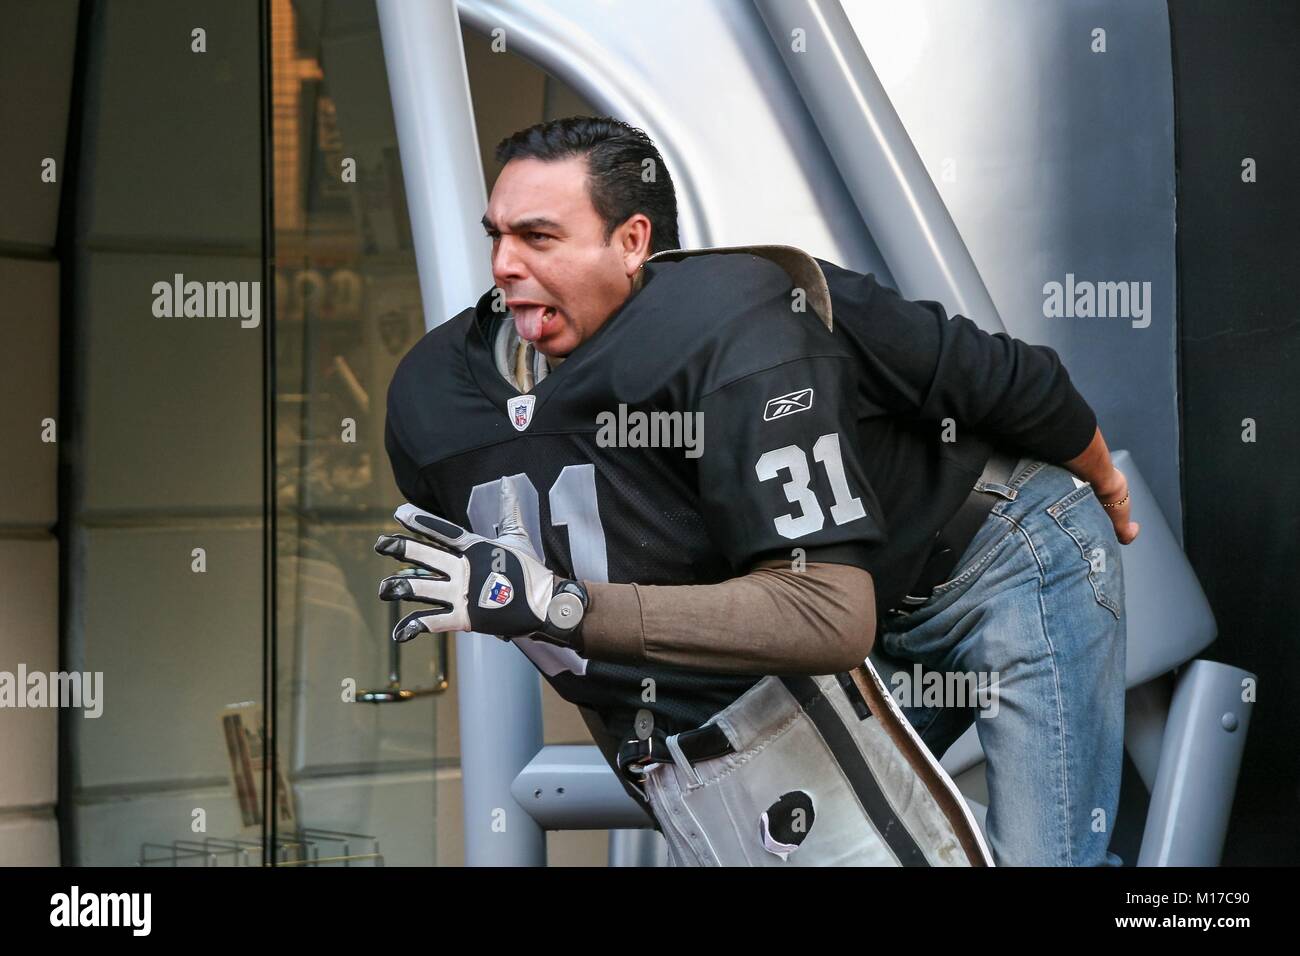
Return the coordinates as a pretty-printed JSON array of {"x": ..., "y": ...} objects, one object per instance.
[{"x": 793, "y": 460}]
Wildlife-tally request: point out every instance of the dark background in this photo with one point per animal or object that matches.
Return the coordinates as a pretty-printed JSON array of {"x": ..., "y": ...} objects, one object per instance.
[{"x": 1236, "y": 77}]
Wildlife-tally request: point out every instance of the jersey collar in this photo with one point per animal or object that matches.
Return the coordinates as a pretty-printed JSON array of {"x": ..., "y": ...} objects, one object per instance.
[{"x": 802, "y": 268}]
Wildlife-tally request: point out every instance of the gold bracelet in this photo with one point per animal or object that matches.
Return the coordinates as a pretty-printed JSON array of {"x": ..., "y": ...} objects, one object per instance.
[{"x": 1115, "y": 504}]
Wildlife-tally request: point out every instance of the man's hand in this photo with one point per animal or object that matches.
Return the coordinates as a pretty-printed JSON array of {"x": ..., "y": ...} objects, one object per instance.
[
  {"x": 1116, "y": 490},
  {"x": 1094, "y": 466},
  {"x": 492, "y": 586}
]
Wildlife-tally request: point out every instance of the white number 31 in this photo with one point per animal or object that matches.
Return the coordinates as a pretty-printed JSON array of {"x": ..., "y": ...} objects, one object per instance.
[{"x": 792, "y": 459}]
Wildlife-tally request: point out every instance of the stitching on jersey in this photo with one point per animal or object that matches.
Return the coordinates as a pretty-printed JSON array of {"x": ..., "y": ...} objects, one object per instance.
[
  {"x": 518, "y": 436},
  {"x": 586, "y": 431},
  {"x": 768, "y": 368}
]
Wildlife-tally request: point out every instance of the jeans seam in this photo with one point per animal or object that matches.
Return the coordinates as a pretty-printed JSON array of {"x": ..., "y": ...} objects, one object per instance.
[
  {"x": 1019, "y": 478},
  {"x": 1060, "y": 716},
  {"x": 1015, "y": 484},
  {"x": 1071, "y": 499},
  {"x": 1058, "y": 513},
  {"x": 982, "y": 560},
  {"x": 1056, "y": 675}
]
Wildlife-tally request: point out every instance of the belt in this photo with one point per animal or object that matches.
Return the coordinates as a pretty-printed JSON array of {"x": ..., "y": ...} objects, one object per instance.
[
  {"x": 952, "y": 540},
  {"x": 636, "y": 756}
]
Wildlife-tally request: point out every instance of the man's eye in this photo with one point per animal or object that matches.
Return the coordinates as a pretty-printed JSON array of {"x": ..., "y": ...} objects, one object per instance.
[{"x": 538, "y": 235}]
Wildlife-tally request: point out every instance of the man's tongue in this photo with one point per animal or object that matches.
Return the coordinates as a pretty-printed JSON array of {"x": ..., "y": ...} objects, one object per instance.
[{"x": 529, "y": 320}]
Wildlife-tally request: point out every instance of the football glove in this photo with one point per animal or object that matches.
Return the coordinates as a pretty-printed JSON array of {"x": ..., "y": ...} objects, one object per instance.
[{"x": 495, "y": 586}]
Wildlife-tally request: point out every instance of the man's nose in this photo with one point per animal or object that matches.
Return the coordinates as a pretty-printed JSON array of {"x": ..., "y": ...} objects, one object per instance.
[{"x": 507, "y": 266}]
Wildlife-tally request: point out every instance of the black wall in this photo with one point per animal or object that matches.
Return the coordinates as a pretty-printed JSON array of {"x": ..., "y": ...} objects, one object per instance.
[{"x": 1236, "y": 79}]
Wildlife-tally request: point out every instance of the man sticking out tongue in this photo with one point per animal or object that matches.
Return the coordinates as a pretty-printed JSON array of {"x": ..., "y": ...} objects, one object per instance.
[{"x": 529, "y": 320}]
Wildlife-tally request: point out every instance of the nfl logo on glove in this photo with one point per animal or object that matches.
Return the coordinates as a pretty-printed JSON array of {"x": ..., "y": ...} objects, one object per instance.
[{"x": 496, "y": 592}]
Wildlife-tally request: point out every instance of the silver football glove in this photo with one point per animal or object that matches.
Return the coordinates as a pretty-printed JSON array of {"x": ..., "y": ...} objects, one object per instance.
[{"x": 490, "y": 585}]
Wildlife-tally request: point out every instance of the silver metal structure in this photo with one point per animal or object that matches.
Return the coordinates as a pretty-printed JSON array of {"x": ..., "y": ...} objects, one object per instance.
[{"x": 853, "y": 189}]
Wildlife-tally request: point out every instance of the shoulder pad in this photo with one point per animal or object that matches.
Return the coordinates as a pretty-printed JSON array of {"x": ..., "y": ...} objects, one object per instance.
[{"x": 802, "y": 268}]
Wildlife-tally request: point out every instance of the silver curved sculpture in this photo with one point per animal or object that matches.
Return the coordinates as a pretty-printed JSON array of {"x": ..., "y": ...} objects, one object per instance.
[{"x": 735, "y": 107}]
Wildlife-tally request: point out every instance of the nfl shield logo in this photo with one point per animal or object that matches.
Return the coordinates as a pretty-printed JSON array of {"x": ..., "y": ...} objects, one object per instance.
[
  {"x": 521, "y": 411},
  {"x": 496, "y": 592}
]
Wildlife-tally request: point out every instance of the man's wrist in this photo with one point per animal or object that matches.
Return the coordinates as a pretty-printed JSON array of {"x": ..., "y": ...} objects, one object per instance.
[
  {"x": 564, "y": 615},
  {"x": 612, "y": 628},
  {"x": 1112, "y": 484},
  {"x": 1094, "y": 465}
]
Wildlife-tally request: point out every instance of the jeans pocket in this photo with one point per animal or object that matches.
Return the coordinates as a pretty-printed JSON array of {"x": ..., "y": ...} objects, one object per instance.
[
  {"x": 989, "y": 539},
  {"x": 1080, "y": 515}
]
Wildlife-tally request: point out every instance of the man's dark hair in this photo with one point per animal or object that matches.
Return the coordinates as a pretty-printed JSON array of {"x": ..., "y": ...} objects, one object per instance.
[{"x": 616, "y": 153}]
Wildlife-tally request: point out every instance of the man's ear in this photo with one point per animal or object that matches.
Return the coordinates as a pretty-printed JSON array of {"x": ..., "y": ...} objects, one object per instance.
[{"x": 634, "y": 238}]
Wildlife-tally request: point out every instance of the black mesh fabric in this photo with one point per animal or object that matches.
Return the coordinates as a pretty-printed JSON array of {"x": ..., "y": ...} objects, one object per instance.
[
  {"x": 713, "y": 337},
  {"x": 653, "y": 535}
]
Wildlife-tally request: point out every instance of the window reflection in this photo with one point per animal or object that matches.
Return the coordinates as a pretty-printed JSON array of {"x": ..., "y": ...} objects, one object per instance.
[{"x": 348, "y": 309}]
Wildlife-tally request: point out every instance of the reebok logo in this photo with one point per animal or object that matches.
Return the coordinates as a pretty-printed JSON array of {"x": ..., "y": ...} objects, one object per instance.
[{"x": 788, "y": 404}]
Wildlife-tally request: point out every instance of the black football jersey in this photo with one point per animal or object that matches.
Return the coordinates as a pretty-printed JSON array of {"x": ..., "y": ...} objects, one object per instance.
[{"x": 705, "y": 426}]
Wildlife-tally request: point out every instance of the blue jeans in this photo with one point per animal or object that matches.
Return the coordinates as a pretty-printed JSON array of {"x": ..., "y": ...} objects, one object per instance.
[{"x": 1038, "y": 600}]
